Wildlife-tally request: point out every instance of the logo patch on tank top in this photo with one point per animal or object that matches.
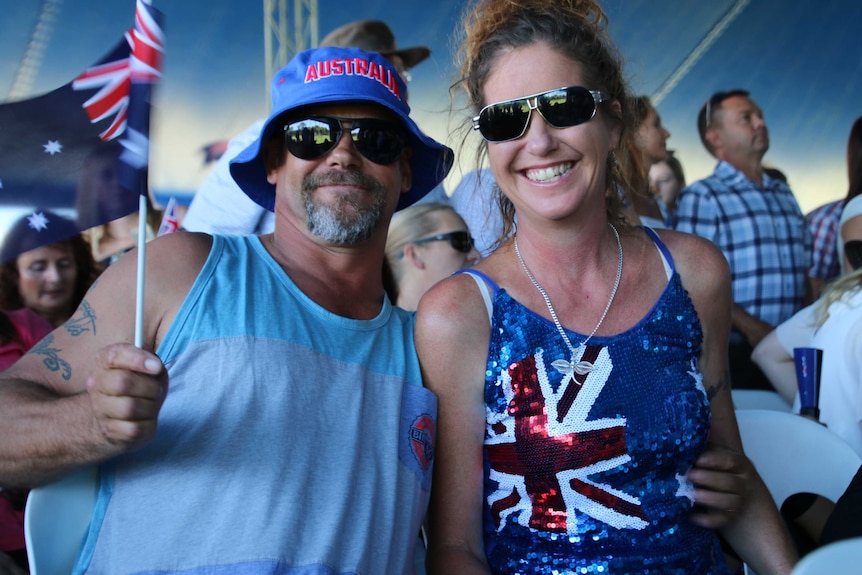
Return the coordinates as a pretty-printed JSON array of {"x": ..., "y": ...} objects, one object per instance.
[{"x": 422, "y": 440}]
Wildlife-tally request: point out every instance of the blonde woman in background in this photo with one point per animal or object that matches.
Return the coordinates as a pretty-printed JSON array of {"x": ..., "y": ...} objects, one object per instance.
[{"x": 427, "y": 242}]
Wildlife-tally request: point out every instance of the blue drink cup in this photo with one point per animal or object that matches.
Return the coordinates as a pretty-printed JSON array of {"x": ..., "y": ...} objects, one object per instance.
[{"x": 808, "y": 361}]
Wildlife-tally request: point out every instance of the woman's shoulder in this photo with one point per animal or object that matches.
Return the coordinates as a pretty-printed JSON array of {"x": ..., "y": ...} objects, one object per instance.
[
  {"x": 688, "y": 249},
  {"x": 701, "y": 266}
]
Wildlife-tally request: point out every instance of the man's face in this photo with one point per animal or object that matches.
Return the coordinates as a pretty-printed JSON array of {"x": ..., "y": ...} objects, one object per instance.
[
  {"x": 739, "y": 129},
  {"x": 342, "y": 196}
]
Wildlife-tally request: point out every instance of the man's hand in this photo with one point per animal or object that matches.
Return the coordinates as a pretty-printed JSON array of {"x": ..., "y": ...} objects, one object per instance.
[
  {"x": 722, "y": 479},
  {"x": 127, "y": 389}
]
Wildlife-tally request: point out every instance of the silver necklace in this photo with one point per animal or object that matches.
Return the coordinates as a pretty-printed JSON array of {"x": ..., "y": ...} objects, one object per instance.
[{"x": 570, "y": 368}]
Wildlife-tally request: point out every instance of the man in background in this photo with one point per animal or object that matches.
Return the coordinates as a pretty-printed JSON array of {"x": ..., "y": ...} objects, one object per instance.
[{"x": 756, "y": 222}]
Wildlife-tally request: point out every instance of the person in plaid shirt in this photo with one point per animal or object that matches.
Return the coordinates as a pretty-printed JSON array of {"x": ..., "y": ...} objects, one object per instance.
[
  {"x": 823, "y": 224},
  {"x": 756, "y": 222}
]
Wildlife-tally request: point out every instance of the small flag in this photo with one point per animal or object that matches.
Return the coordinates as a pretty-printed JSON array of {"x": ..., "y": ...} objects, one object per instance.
[
  {"x": 145, "y": 66},
  {"x": 170, "y": 221},
  {"x": 212, "y": 152}
]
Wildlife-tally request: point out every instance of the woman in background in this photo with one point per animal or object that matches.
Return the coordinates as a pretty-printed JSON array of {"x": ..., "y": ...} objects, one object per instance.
[
  {"x": 426, "y": 243},
  {"x": 19, "y": 331},
  {"x": 50, "y": 280},
  {"x": 651, "y": 142},
  {"x": 666, "y": 181},
  {"x": 850, "y": 224}
]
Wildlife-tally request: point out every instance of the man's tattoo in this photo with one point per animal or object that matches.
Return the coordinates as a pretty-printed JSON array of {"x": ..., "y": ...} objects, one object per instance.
[
  {"x": 52, "y": 360},
  {"x": 713, "y": 390},
  {"x": 83, "y": 320}
]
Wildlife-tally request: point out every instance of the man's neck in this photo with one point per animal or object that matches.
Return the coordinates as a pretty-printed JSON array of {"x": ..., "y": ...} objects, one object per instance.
[
  {"x": 345, "y": 281},
  {"x": 752, "y": 168}
]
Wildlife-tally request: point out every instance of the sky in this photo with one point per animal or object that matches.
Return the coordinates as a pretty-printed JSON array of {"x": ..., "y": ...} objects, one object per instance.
[{"x": 801, "y": 60}]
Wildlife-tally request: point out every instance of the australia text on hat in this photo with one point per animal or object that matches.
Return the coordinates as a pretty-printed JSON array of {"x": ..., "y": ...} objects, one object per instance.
[{"x": 353, "y": 67}]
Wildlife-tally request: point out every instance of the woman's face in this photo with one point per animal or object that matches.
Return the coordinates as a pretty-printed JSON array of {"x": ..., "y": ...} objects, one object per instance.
[
  {"x": 663, "y": 182},
  {"x": 652, "y": 138},
  {"x": 548, "y": 173},
  {"x": 440, "y": 258},
  {"x": 46, "y": 279}
]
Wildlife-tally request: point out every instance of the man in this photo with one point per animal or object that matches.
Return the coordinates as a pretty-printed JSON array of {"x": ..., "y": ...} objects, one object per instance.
[
  {"x": 823, "y": 225},
  {"x": 755, "y": 220},
  {"x": 295, "y": 434},
  {"x": 220, "y": 207}
]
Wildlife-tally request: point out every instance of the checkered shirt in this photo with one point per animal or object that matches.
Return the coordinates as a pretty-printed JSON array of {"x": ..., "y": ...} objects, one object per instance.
[
  {"x": 823, "y": 223},
  {"x": 761, "y": 232}
]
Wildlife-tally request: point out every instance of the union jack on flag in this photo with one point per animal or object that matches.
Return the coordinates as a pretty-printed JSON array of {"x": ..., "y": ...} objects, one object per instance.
[{"x": 67, "y": 150}]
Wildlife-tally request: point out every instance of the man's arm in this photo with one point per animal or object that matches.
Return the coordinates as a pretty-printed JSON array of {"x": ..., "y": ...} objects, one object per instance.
[
  {"x": 753, "y": 328},
  {"x": 85, "y": 393}
]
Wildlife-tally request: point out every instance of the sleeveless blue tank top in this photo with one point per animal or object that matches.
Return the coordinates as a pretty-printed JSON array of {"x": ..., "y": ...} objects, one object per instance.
[
  {"x": 292, "y": 441},
  {"x": 588, "y": 476}
]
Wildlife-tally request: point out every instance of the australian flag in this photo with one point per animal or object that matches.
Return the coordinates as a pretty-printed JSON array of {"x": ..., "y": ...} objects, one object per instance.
[{"x": 82, "y": 151}]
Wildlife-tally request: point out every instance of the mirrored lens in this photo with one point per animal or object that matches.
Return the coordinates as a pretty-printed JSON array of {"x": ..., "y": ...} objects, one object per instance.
[
  {"x": 567, "y": 107},
  {"x": 504, "y": 121},
  {"x": 311, "y": 138},
  {"x": 379, "y": 141}
]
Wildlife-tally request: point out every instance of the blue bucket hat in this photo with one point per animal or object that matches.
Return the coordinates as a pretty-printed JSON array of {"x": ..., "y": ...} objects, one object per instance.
[{"x": 341, "y": 75}]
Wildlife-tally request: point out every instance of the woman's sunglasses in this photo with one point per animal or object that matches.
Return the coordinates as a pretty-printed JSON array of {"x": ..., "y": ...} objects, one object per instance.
[
  {"x": 460, "y": 241},
  {"x": 561, "y": 108},
  {"x": 379, "y": 141}
]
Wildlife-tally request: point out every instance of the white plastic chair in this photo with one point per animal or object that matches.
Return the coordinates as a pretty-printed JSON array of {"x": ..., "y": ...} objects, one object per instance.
[
  {"x": 793, "y": 455},
  {"x": 839, "y": 558},
  {"x": 759, "y": 399},
  {"x": 56, "y": 520},
  {"x": 796, "y": 455}
]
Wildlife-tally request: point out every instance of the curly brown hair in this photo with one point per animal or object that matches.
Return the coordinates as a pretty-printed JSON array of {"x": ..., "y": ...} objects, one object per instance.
[
  {"x": 578, "y": 30},
  {"x": 87, "y": 268}
]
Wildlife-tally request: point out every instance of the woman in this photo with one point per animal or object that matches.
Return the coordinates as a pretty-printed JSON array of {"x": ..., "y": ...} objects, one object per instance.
[
  {"x": 426, "y": 243},
  {"x": 566, "y": 449},
  {"x": 850, "y": 224},
  {"x": 834, "y": 324},
  {"x": 666, "y": 181},
  {"x": 51, "y": 280},
  {"x": 651, "y": 142}
]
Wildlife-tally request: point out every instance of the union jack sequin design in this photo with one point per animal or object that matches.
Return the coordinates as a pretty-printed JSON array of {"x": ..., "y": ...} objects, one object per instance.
[{"x": 588, "y": 476}]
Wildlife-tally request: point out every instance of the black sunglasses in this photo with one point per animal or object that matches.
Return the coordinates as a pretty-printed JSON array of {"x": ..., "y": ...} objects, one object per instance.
[
  {"x": 460, "y": 241},
  {"x": 561, "y": 108},
  {"x": 380, "y": 141}
]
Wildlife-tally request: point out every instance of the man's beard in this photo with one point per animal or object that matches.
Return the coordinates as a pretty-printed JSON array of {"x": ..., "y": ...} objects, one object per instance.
[{"x": 349, "y": 219}]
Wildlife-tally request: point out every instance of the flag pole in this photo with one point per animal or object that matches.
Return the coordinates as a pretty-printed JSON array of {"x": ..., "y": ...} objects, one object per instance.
[{"x": 142, "y": 256}]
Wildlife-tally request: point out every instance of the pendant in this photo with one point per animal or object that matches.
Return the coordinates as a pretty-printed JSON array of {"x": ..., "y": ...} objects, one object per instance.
[{"x": 570, "y": 368}]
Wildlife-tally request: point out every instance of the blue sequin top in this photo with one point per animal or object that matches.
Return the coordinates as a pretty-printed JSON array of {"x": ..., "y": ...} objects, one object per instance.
[{"x": 588, "y": 476}]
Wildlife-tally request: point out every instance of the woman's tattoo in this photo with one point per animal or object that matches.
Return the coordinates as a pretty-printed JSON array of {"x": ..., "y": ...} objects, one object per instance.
[{"x": 713, "y": 390}]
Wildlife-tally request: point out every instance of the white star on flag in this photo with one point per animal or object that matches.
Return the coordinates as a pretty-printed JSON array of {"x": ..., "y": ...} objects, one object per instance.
[
  {"x": 53, "y": 147},
  {"x": 38, "y": 221},
  {"x": 136, "y": 146}
]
